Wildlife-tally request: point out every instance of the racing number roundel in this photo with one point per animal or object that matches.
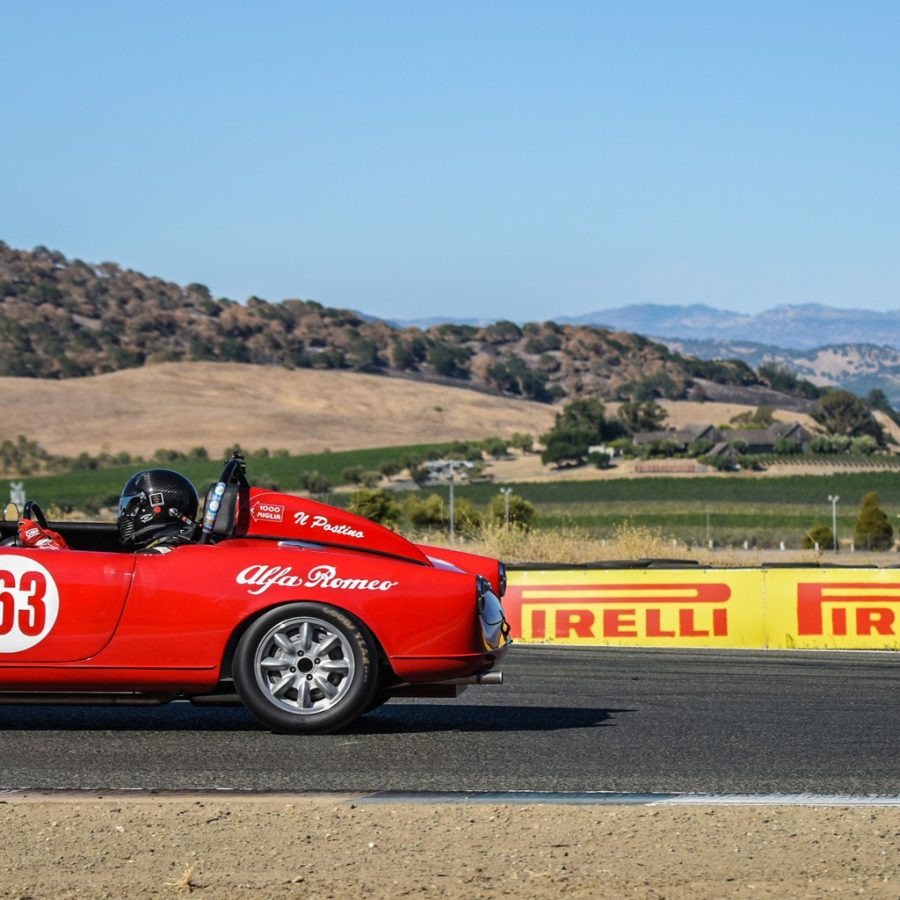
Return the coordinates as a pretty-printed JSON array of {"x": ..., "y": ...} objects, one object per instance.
[{"x": 29, "y": 603}]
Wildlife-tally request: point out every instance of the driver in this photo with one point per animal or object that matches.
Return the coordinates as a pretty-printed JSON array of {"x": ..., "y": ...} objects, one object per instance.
[{"x": 156, "y": 514}]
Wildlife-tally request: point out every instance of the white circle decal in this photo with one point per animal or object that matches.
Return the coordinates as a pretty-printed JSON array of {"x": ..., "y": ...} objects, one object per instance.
[{"x": 29, "y": 603}]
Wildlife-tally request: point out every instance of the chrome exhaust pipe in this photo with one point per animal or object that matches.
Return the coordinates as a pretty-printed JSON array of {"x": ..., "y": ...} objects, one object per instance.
[{"x": 486, "y": 678}]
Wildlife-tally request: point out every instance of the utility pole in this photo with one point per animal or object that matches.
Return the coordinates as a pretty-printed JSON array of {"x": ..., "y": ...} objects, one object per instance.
[
  {"x": 447, "y": 468},
  {"x": 452, "y": 510},
  {"x": 506, "y": 492},
  {"x": 833, "y": 499}
]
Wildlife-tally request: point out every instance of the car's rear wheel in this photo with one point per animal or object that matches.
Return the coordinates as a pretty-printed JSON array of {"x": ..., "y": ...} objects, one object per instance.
[{"x": 306, "y": 668}]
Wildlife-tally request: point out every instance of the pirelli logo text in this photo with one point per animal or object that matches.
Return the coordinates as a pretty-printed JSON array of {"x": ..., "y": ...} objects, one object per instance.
[
  {"x": 854, "y": 609},
  {"x": 626, "y": 612}
]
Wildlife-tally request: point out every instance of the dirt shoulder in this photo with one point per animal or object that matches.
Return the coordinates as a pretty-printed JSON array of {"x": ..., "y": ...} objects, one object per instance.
[{"x": 297, "y": 847}]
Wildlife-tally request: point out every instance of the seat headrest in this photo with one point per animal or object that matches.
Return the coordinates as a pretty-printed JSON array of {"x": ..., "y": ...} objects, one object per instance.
[{"x": 227, "y": 513}]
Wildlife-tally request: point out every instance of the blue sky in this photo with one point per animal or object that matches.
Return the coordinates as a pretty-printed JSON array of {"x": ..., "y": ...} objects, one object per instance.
[{"x": 493, "y": 159}]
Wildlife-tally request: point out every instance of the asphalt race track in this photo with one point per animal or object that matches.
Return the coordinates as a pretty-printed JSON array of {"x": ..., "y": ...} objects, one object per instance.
[{"x": 566, "y": 720}]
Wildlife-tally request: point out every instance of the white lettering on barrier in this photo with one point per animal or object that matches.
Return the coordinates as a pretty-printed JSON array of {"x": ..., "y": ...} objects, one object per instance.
[{"x": 261, "y": 577}]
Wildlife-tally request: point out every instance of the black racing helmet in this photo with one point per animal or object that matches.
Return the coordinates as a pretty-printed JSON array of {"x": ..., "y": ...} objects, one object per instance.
[{"x": 152, "y": 501}]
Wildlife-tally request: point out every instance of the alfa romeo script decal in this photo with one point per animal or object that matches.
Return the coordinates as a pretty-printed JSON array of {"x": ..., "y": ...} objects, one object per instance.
[
  {"x": 29, "y": 603},
  {"x": 262, "y": 577}
]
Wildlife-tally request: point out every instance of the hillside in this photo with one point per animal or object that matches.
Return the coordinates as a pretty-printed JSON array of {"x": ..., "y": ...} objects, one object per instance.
[
  {"x": 62, "y": 318},
  {"x": 214, "y": 405},
  {"x": 859, "y": 368}
]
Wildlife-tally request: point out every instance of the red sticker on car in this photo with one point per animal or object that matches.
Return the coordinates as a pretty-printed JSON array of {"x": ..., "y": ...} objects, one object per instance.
[{"x": 267, "y": 512}]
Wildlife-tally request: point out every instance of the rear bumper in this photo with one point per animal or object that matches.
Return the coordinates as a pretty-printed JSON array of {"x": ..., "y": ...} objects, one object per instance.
[{"x": 492, "y": 622}]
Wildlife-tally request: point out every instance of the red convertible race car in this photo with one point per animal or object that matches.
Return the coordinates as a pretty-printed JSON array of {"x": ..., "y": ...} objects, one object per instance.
[{"x": 307, "y": 614}]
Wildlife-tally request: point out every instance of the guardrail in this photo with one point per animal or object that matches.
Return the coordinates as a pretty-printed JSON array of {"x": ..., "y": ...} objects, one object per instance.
[{"x": 655, "y": 603}]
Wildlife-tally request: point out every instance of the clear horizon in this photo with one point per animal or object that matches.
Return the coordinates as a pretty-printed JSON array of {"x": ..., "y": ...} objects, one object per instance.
[{"x": 521, "y": 161}]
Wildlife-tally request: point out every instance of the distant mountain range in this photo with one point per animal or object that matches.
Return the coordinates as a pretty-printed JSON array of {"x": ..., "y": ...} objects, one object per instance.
[
  {"x": 803, "y": 327},
  {"x": 857, "y": 349}
]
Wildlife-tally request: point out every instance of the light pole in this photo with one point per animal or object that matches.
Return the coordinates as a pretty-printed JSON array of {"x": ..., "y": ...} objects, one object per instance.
[
  {"x": 833, "y": 499},
  {"x": 447, "y": 468},
  {"x": 452, "y": 510},
  {"x": 506, "y": 492}
]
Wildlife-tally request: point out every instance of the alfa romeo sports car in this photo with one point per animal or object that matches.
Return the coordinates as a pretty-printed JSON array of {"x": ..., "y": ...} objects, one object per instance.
[{"x": 307, "y": 614}]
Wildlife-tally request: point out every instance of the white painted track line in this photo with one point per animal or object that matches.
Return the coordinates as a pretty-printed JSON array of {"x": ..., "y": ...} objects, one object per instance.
[{"x": 517, "y": 798}]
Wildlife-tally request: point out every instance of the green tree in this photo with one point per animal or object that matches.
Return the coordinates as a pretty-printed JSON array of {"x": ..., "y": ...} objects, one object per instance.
[
  {"x": 363, "y": 355},
  {"x": 821, "y": 535},
  {"x": 829, "y": 443},
  {"x": 466, "y": 518},
  {"x": 502, "y": 332},
  {"x": 390, "y": 468},
  {"x": 379, "y": 506},
  {"x": 495, "y": 447},
  {"x": 646, "y": 416},
  {"x": 581, "y": 424},
  {"x": 761, "y": 417},
  {"x": 522, "y": 442},
  {"x": 449, "y": 361},
  {"x": 864, "y": 445},
  {"x": 877, "y": 399},
  {"x": 786, "y": 446},
  {"x": 588, "y": 411},
  {"x": 167, "y": 456},
  {"x": 781, "y": 379},
  {"x": 426, "y": 513},
  {"x": 352, "y": 475},
  {"x": 316, "y": 483},
  {"x": 521, "y": 511},
  {"x": 567, "y": 444},
  {"x": 872, "y": 529},
  {"x": 840, "y": 412}
]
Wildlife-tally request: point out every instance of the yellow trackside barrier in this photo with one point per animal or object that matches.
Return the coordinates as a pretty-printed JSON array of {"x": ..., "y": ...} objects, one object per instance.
[
  {"x": 687, "y": 607},
  {"x": 833, "y": 608}
]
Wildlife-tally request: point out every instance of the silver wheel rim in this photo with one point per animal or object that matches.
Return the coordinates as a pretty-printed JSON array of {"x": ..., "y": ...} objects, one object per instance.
[{"x": 304, "y": 666}]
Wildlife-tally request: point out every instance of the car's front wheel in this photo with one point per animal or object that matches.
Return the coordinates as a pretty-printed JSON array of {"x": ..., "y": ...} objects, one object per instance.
[{"x": 306, "y": 668}]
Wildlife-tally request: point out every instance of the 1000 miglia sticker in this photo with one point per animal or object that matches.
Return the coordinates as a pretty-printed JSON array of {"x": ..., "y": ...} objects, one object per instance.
[{"x": 29, "y": 603}]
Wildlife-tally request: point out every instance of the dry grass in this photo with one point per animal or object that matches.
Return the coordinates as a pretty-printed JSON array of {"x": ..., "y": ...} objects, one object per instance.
[
  {"x": 685, "y": 412},
  {"x": 184, "y": 405},
  {"x": 184, "y": 883},
  {"x": 629, "y": 542}
]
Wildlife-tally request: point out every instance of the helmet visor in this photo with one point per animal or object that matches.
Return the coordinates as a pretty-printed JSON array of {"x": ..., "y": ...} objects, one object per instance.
[{"x": 129, "y": 504}]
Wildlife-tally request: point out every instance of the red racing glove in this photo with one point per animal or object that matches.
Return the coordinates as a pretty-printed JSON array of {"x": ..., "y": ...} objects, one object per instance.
[{"x": 32, "y": 535}]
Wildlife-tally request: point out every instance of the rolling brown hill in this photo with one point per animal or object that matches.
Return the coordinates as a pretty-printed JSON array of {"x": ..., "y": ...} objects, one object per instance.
[
  {"x": 214, "y": 405},
  {"x": 62, "y": 318}
]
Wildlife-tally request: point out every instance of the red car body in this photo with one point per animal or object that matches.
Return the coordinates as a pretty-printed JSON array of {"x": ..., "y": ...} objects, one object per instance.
[{"x": 95, "y": 623}]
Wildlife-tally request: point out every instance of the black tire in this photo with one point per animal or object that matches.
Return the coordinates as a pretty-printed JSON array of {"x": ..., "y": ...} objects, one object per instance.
[
  {"x": 379, "y": 698},
  {"x": 293, "y": 689}
]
